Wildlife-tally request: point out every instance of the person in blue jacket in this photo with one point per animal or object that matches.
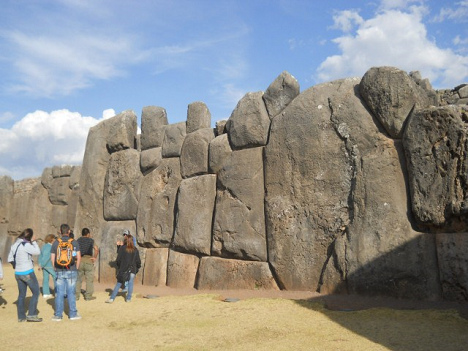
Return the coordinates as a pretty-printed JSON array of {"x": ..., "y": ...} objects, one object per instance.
[{"x": 46, "y": 265}]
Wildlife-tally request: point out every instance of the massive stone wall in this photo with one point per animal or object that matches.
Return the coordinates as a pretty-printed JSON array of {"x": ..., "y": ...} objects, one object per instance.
[{"x": 352, "y": 186}]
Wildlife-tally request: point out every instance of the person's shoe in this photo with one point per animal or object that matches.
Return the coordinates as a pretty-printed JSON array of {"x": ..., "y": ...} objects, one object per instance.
[
  {"x": 83, "y": 291},
  {"x": 110, "y": 301},
  {"x": 21, "y": 320},
  {"x": 33, "y": 319},
  {"x": 90, "y": 298},
  {"x": 47, "y": 296},
  {"x": 129, "y": 300},
  {"x": 56, "y": 319},
  {"x": 75, "y": 318}
]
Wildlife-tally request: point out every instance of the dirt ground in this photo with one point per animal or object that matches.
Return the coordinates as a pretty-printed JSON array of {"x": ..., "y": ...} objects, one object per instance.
[{"x": 161, "y": 318}]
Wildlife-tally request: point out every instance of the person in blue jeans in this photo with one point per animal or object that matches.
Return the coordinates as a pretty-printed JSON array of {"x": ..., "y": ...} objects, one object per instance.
[
  {"x": 46, "y": 265},
  {"x": 21, "y": 253},
  {"x": 128, "y": 264},
  {"x": 66, "y": 278}
]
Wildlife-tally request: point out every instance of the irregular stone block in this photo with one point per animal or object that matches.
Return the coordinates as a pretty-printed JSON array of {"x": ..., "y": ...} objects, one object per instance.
[
  {"x": 218, "y": 273},
  {"x": 122, "y": 188},
  {"x": 198, "y": 116},
  {"x": 219, "y": 151},
  {"x": 122, "y": 131},
  {"x": 60, "y": 191},
  {"x": 195, "y": 204},
  {"x": 194, "y": 153},
  {"x": 153, "y": 121},
  {"x": 249, "y": 122},
  {"x": 150, "y": 159},
  {"x": 435, "y": 144},
  {"x": 155, "y": 217},
  {"x": 280, "y": 93},
  {"x": 174, "y": 135},
  {"x": 181, "y": 270},
  {"x": 391, "y": 96},
  {"x": 463, "y": 92},
  {"x": 239, "y": 224},
  {"x": 61, "y": 171},
  {"x": 155, "y": 272},
  {"x": 75, "y": 178},
  {"x": 221, "y": 127}
]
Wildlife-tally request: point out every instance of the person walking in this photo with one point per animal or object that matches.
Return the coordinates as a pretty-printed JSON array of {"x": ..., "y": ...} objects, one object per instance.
[
  {"x": 67, "y": 275},
  {"x": 46, "y": 265},
  {"x": 89, "y": 252},
  {"x": 20, "y": 255},
  {"x": 128, "y": 264}
]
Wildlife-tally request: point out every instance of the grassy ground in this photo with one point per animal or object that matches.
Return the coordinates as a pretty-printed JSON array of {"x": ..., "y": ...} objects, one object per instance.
[{"x": 206, "y": 322}]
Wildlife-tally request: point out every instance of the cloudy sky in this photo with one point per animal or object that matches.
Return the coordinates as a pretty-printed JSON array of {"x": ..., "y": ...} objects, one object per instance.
[{"x": 67, "y": 64}]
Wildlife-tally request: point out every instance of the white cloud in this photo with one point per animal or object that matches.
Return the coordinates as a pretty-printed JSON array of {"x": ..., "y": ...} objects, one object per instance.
[
  {"x": 346, "y": 20},
  {"x": 6, "y": 116},
  {"x": 106, "y": 114},
  {"x": 394, "y": 38},
  {"x": 459, "y": 13},
  {"x": 42, "y": 139}
]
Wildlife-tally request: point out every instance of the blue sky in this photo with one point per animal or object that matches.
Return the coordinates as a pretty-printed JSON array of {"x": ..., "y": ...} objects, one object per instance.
[{"x": 67, "y": 64}]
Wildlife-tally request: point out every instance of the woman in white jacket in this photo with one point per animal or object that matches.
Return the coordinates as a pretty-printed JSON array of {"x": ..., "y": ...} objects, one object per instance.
[{"x": 21, "y": 254}]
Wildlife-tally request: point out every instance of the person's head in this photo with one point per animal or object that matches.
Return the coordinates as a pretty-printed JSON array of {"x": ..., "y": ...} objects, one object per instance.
[
  {"x": 64, "y": 229},
  {"x": 27, "y": 234},
  {"x": 49, "y": 238},
  {"x": 129, "y": 243},
  {"x": 71, "y": 234},
  {"x": 126, "y": 232},
  {"x": 85, "y": 232}
]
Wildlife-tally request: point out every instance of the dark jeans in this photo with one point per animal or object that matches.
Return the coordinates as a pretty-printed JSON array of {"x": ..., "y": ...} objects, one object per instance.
[{"x": 23, "y": 282}]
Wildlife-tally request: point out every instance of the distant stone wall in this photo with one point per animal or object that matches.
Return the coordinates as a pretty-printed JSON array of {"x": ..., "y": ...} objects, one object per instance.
[{"x": 352, "y": 186}]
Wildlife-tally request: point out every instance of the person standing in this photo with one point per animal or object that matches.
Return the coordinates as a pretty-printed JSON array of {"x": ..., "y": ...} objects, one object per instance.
[
  {"x": 66, "y": 276},
  {"x": 128, "y": 264},
  {"x": 89, "y": 252},
  {"x": 21, "y": 253},
  {"x": 46, "y": 265}
]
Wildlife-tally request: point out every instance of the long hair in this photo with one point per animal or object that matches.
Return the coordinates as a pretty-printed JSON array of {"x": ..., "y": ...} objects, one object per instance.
[
  {"x": 129, "y": 243},
  {"x": 27, "y": 234}
]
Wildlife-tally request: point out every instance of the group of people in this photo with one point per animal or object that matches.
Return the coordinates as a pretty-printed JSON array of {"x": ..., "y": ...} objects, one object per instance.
[{"x": 67, "y": 279}]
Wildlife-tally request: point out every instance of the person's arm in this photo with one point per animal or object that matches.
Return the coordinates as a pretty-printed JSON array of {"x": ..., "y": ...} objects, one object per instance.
[
  {"x": 52, "y": 259},
  {"x": 78, "y": 259},
  {"x": 95, "y": 254}
]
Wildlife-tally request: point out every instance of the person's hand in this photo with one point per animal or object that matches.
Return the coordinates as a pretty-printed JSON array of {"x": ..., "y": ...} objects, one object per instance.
[{"x": 119, "y": 242}]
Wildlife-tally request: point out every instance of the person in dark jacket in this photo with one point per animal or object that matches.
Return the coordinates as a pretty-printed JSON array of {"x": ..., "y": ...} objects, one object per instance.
[{"x": 128, "y": 264}]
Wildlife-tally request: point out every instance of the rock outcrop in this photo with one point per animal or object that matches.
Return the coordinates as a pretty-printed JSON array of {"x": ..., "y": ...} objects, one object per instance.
[{"x": 352, "y": 186}]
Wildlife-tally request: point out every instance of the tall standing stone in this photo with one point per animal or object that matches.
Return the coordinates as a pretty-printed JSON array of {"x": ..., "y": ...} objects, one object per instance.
[
  {"x": 174, "y": 135},
  {"x": 280, "y": 93},
  {"x": 194, "y": 153},
  {"x": 153, "y": 121},
  {"x": 198, "y": 116}
]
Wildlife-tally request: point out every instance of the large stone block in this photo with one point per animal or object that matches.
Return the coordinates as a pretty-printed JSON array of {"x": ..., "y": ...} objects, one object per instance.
[
  {"x": 155, "y": 271},
  {"x": 150, "y": 159},
  {"x": 198, "y": 116},
  {"x": 218, "y": 273},
  {"x": 436, "y": 144},
  {"x": 194, "y": 153},
  {"x": 239, "y": 223},
  {"x": 153, "y": 121},
  {"x": 280, "y": 93},
  {"x": 122, "y": 188},
  {"x": 155, "y": 217},
  {"x": 60, "y": 192},
  {"x": 195, "y": 205},
  {"x": 219, "y": 152},
  {"x": 7, "y": 186},
  {"x": 122, "y": 131},
  {"x": 249, "y": 122},
  {"x": 181, "y": 270},
  {"x": 174, "y": 135}
]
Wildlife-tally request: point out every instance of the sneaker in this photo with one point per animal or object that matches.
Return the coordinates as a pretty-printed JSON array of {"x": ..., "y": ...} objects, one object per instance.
[
  {"x": 90, "y": 298},
  {"x": 75, "y": 318},
  {"x": 33, "y": 319},
  {"x": 21, "y": 320},
  {"x": 56, "y": 319},
  {"x": 110, "y": 301},
  {"x": 129, "y": 300},
  {"x": 47, "y": 296}
]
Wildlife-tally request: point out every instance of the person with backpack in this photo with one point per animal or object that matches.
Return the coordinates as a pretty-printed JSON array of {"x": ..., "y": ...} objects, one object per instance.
[
  {"x": 20, "y": 257},
  {"x": 89, "y": 252},
  {"x": 46, "y": 265},
  {"x": 66, "y": 258},
  {"x": 128, "y": 264}
]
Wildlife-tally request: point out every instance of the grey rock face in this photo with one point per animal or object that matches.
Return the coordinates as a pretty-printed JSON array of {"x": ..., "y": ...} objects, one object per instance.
[
  {"x": 155, "y": 218},
  {"x": 436, "y": 144},
  {"x": 194, "y": 153},
  {"x": 221, "y": 127},
  {"x": 280, "y": 93},
  {"x": 391, "y": 96},
  {"x": 198, "y": 116},
  {"x": 122, "y": 131},
  {"x": 61, "y": 171},
  {"x": 181, "y": 270},
  {"x": 249, "y": 122},
  {"x": 218, "y": 273},
  {"x": 174, "y": 135},
  {"x": 195, "y": 204},
  {"x": 150, "y": 159},
  {"x": 219, "y": 152},
  {"x": 155, "y": 272},
  {"x": 122, "y": 186},
  {"x": 7, "y": 186},
  {"x": 239, "y": 223},
  {"x": 153, "y": 120}
]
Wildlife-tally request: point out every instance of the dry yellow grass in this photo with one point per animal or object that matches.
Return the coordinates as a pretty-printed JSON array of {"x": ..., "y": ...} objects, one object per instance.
[{"x": 205, "y": 322}]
